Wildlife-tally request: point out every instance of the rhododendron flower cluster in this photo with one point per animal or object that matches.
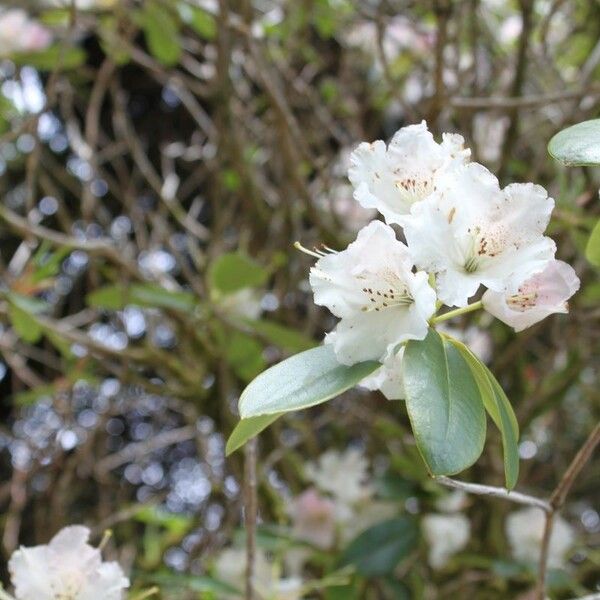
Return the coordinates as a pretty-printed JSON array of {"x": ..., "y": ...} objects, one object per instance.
[
  {"x": 462, "y": 231},
  {"x": 19, "y": 33}
]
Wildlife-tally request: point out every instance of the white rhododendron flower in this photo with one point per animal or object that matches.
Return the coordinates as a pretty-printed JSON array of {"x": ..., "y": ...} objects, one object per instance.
[
  {"x": 313, "y": 518},
  {"x": 541, "y": 295},
  {"x": 371, "y": 287},
  {"x": 245, "y": 304},
  {"x": 470, "y": 232},
  {"x": 388, "y": 378},
  {"x": 19, "y": 33},
  {"x": 230, "y": 568},
  {"x": 344, "y": 475},
  {"x": 68, "y": 568},
  {"x": 446, "y": 535},
  {"x": 525, "y": 530},
  {"x": 391, "y": 179}
]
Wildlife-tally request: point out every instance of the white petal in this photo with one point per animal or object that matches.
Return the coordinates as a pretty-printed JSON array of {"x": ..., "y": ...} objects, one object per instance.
[
  {"x": 372, "y": 288},
  {"x": 108, "y": 583},
  {"x": 29, "y": 573},
  {"x": 388, "y": 378},
  {"x": 541, "y": 295},
  {"x": 445, "y": 535},
  {"x": 470, "y": 232},
  {"x": 392, "y": 179}
]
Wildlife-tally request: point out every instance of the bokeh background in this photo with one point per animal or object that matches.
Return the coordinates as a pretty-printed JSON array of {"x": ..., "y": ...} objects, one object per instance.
[{"x": 157, "y": 161}]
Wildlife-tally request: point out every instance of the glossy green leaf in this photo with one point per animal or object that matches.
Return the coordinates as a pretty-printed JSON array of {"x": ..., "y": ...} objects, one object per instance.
[
  {"x": 378, "y": 550},
  {"x": 499, "y": 409},
  {"x": 301, "y": 381},
  {"x": 592, "y": 249},
  {"x": 247, "y": 429},
  {"x": 578, "y": 145},
  {"x": 234, "y": 271},
  {"x": 162, "y": 33},
  {"x": 116, "y": 297},
  {"x": 444, "y": 405}
]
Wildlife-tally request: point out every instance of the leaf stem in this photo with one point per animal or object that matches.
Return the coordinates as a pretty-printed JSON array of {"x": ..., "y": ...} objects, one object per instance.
[{"x": 457, "y": 312}]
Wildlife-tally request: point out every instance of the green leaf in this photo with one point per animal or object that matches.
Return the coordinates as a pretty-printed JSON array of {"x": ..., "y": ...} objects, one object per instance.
[
  {"x": 196, "y": 583},
  {"x": 50, "y": 58},
  {"x": 203, "y": 23},
  {"x": 24, "y": 324},
  {"x": 284, "y": 337},
  {"x": 378, "y": 550},
  {"x": 499, "y": 409},
  {"x": 234, "y": 271},
  {"x": 444, "y": 405},
  {"x": 578, "y": 145},
  {"x": 247, "y": 429},
  {"x": 592, "y": 249},
  {"x": 162, "y": 33},
  {"x": 147, "y": 295},
  {"x": 303, "y": 380},
  {"x": 244, "y": 355}
]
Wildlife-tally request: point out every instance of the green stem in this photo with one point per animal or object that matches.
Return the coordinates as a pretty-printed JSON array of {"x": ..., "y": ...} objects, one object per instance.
[{"x": 456, "y": 313}]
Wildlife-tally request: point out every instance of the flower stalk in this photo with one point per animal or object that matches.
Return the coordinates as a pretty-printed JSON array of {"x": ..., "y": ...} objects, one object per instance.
[{"x": 457, "y": 312}]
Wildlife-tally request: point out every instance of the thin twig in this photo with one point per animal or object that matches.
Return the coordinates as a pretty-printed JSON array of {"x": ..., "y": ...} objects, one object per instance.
[
  {"x": 495, "y": 492},
  {"x": 250, "y": 513},
  {"x": 557, "y": 499}
]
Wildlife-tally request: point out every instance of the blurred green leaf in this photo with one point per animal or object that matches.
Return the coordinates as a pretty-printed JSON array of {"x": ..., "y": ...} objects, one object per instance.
[
  {"x": 162, "y": 33},
  {"x": 234, "y": 271},
  {"x": 444, "y": 405},
  {"x": 301, "y": 381},
  {"x": 202, "y": 22},
  {"x": 281, "y": 336},
  {"x": 196, "y": 583},
  {"x": 244, "y": 355},
  {"x": 578, "y": 145},
  {"x": 592, "y": 249},
  {"x": 147, "y": 295},
  {"x": 378, "y": 550},
  {"x": 65, "y": 57},
  {"x": 21, "y": 311},
  {"x": 247, "y": 429},
  {"x": 175, "y": 523}
]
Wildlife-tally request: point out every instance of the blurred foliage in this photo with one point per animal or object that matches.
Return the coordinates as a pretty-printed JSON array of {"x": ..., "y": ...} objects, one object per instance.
[{"x": 158, "y": 159}]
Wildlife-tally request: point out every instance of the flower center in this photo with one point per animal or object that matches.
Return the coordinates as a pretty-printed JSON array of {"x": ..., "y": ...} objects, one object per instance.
[
  {"x": 380, "y": 298},
  {"x": 414, "y": 188},
  {"x": 522, "y": 301}
]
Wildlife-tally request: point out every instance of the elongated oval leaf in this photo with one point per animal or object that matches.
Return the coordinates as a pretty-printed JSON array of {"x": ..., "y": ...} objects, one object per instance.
[
  {"x": 499, "y": 409},
  {"x": 592, "y": 250},
  {"x": 378, "y": 550},
  {"x": 247, "y": 429},
  {"x": 444, "y": 405},
  {"x": 300, "y": 381},
  {"x": 578, "y": 145}
]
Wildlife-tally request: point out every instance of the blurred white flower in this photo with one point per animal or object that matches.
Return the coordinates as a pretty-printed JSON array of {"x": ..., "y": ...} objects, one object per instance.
[
  {"x": 244, "y": 304},
  {"x": 543, "y": 294},
  {"x": 344, "y": 475},
  {"x": 371, "y": 287},
  {"x": 388, "y": 378},
  {"x": 471, "y": 232},
  {"x": 452, "y": 502},
  {"x": 68, "y": 568},
  {"x": 19, "y": 33},
  {"x": 313, "y": 518},
  {"x": 392, "y": 179},
  {"x": 525, "y": 530},
  {"x": 446, "y": 535},
  {"x": 230, "y": 568}
]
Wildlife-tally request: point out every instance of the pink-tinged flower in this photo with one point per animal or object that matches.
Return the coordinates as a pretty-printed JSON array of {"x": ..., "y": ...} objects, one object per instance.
[
  {"x": 371, "y": 287},
  {"x": 392, "y": 179},
  {"x": 313, "y": 518},
  {"x": 471, "y": 233},
  {"x": 68, "y": 568},
  {"x": 543, "y": 294},
  {"x": 19, "y": 33}
]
